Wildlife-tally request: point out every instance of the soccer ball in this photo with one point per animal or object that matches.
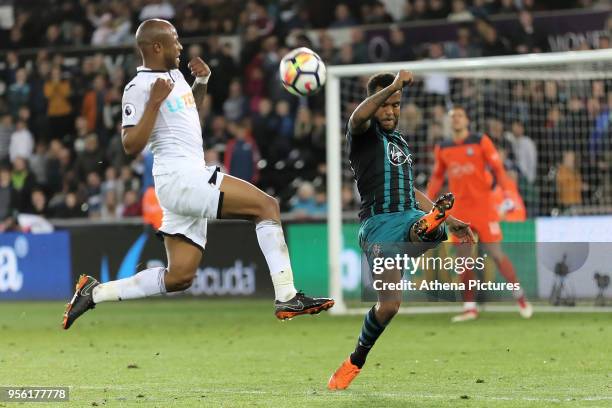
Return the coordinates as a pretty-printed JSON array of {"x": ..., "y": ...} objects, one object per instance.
[{"x": 302, "y": 72}]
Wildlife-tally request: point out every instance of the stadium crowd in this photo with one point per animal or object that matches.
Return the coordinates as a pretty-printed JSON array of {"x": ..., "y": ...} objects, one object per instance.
[{"x": 60, "y": 112}]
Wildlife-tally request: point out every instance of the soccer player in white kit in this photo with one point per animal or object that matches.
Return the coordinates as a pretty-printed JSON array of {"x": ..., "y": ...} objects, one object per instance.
[{"x": 161, "y": 109}]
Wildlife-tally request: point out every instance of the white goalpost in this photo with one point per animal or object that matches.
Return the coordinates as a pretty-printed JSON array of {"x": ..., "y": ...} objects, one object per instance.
[{"x": 554, "y": 96}]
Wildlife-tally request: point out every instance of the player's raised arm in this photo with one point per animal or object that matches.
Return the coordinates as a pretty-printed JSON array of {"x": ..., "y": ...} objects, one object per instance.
[
  {"x": 135, "y": 137},
  {"x": 201, "y": 71},
  {"x": 360, "y": 119}
]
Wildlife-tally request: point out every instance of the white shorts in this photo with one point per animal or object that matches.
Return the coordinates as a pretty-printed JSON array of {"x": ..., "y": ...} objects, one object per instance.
[{"x": 188, "y": 198}]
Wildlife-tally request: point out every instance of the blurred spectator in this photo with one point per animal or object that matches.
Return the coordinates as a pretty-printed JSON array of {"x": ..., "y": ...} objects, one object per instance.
[
  {"x": 437, "y": 9},
  {"x": 104, "y": 30},
  {"x": 359, "y": 46},
  {"x": 408, "y": 11},
  {"x": 6, "y": 130},
  {"x": 525, "y": 153},
  {"x": 93, "y": 193},
  {"x": 377, "y": 14},
  {"x": 157, "y": 9},
  {"x": 349, "y": 202},
  {"x": 527, "y": 39},
  {"x": 569, "y": 181},
  {"x": 501, "y": 139},
  {"x": 7, "y": 193},
  {"x": 57, "y": 92},
  {"x": 265, "y": 127},
  {"x": 53, "y": 37},
  {"x": 132, "y": 206},
  {"x": 111, "y": 209},
  {"x": 526, "y": 158},
  {"x": 217, "y": 132},
  {"x": 304, "y": 204},
  {"x": 460, "y": 12},
  {"x": 58, "y": 165},
  {"x": 69, "y": 208},
  {"x": 38, "y": 101},
  {"x": 11, "y": 67},
  {"x": 127, "y": 180},
  {"x": 190, "y": 23},
  {"x": 18, "y": 94},
  {"x": 463, "y": 47},
  {"x": 400, "y": 50},
  {"x": 343, "y": 17},
  {"x": 23, "y": 183},
  {"x": 91, "y": 159},
  {"x": 507, "y": 6},
  {"x": 38, "y": 203},
  {"x": 93, "y": 104},
  {"x": 221, "y": 62},
  {"x": 492, "y": 43},
  {"x": 241, "y": 155},
  {"x": 22, "y": 142},
  {"x": 345, "y": 56},
  {"x": 236, "y": 105},
  {"x": 285, "y": 126},
  {"x": 38, "y": 163}
]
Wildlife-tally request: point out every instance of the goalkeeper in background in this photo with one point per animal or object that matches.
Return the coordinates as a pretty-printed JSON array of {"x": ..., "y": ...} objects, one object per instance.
[
  {"x": 392, "y": 211},
  {"x": 465, "y": 159}
]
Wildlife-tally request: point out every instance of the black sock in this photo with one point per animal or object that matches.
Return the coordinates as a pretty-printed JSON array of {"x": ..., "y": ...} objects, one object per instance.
[{"x": 370, "y": 331}]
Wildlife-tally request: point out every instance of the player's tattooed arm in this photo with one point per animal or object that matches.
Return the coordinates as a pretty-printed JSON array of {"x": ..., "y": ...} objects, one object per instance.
[
  {"x": 135, "y": 138},
  {"x": 360, "y": 119},
  {"x": 201, "y": 71}
]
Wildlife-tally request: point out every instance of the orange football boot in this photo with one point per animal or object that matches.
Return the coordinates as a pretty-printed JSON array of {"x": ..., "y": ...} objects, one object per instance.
[
  {"x": 343, "y": 376},
  {"x": 436, "y": 216}
]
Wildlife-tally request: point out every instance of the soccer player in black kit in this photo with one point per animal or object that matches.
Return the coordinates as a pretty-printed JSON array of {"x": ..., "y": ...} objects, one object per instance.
[{"x": 393, "y": 213}]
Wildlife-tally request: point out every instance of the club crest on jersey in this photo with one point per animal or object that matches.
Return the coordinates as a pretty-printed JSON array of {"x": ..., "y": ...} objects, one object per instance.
[
  {"x": 129, "y": 110},
  {"x": 396, "y": 156},
  {"x": 470, "y": 151}
]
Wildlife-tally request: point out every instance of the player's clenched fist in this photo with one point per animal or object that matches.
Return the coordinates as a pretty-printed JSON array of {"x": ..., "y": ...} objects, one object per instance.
[
  {"x": 402, "y": 79},
  {"x": 160, "y": 90},
  {"x": 198, "y": 67}
]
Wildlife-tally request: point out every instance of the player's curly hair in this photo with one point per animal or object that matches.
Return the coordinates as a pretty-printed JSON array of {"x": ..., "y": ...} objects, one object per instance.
[{"x": 380, "y": 80}]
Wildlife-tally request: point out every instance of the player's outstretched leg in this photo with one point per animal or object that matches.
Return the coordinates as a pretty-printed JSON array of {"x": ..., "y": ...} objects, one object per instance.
[
  {"x": 432, "y": 220},
  {"x": 375, "y": 322},
  {"x": 183, "y": 260},
  {"x": 470, "y": 310},
  {"x": 243, "y": 200},
  {"x": 506, "y": 269}
]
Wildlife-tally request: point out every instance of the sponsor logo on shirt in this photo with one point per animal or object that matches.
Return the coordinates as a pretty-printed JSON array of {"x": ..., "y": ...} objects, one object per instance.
[{"x": 180, "y": 103}]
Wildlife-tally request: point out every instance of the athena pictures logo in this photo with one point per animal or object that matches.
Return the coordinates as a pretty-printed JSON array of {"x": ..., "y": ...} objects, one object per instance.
[
  {"x": 129, "y": 110},
  {"x": 396, "y": 156}
]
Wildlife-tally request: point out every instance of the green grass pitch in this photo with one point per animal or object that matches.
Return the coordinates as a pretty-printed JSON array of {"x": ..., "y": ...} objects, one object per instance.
[{"x": 203, "y": 353}]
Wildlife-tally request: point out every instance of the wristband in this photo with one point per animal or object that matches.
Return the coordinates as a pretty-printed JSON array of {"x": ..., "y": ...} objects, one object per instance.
[{"x": 202, "y": 80}]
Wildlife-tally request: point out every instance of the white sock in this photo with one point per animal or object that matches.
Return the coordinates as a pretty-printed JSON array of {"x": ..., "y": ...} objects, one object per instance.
[
  {"x": 469, "y": 306},
  {"x": 145, "y": 283},
  {"x": 272, "y": 243}
]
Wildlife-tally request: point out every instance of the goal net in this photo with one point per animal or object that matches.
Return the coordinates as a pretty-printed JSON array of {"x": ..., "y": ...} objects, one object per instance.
[{"x": 549, "y": 115}]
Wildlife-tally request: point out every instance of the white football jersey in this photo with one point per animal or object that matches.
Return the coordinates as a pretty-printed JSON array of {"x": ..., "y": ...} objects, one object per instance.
[{"x": 176, "y": 139}]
